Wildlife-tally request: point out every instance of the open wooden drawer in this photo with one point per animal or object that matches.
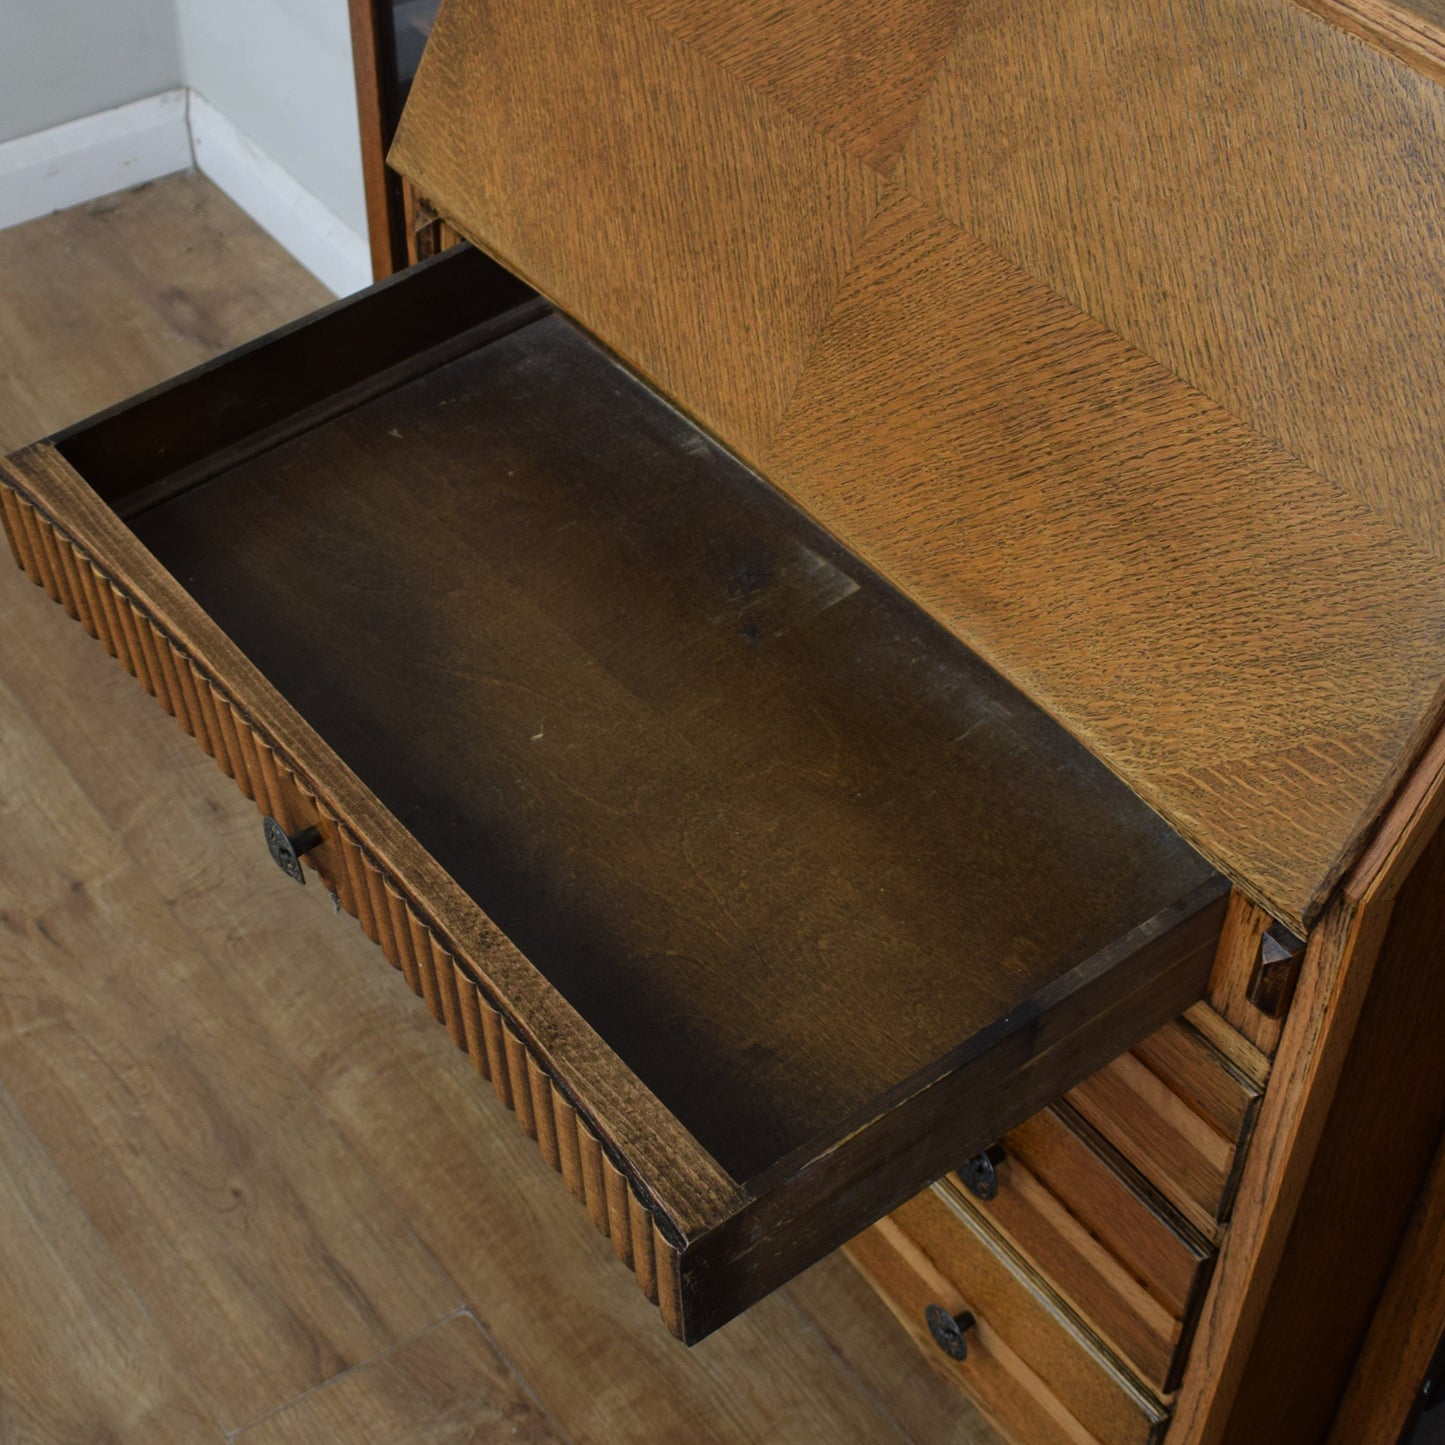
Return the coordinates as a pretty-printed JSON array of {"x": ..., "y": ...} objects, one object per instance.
[{"x": 759, "y": 898}]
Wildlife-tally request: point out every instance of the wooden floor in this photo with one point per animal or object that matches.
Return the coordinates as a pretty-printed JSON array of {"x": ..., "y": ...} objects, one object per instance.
[{"x": 247, "y": 1190}]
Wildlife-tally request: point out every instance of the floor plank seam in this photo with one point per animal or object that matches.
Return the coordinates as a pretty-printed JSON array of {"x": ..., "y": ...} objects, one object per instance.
[
  {"x": 233, "y": 1435},
  {"x": 208, "y": 952},
  {"x": 553, "y": 1423},
  {"x": 213, "y": 963}
]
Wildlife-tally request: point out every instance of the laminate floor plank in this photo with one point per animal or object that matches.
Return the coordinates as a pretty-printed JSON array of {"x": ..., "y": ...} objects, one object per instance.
[
  {"x": 273, "y": 984},
  {"x": 447, "y": 1386},
  {"x": 67, "y": 1298},
  {"x": 197, "y": 1153}
]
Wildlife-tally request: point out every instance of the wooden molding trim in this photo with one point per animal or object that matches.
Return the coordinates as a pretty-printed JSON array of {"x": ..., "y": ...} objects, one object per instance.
[
  {"x": 1313, "y": 1047},
  {"x": 1412, "y": 821},
  {"x": 1398, "y": 30},
  {"x": 369, "y": 54}
]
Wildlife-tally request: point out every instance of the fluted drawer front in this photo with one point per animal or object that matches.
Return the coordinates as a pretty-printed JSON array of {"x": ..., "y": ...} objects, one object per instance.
[
  {"x": 759, "y": 900},
  {"x": 1104, "y": 1238},
  {"x": 1030, "y": 1362},
  {"x": 387, "y": 915},
  {"x": 1181, "y": 1110}
]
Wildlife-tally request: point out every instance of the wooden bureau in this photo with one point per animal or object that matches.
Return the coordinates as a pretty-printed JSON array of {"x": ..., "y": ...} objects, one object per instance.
[{"x": 873, "y": 648}]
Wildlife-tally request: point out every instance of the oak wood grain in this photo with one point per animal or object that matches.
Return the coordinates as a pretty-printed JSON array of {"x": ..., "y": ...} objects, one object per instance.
[
  {"x": 1238, "y": 1052},
  {"x": 1119, "y": 1207},
  {"x": 1160, "y": 1134},
  {"x": 678, "y": 213},
  {"x": 445, "y": 1386},
  {"x": 856, "y": 74},
  {"x": 1273, "y": 238},
  {"x": 1207, "y": 1078},
  {"x": 1312, "y": 323},
  {"x": 1010, "y": 1394},
  {"x": 1082, "y": 1217},
  {"x": 1412, "y": 31},
  {"x": 1041, "y": 494},
  {"x": 1020, "y": 1312},
  {"x": 1057, "y": 1246}
]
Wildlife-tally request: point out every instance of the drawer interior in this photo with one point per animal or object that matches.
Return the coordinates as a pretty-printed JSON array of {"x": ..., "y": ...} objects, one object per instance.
[{"x": 786, "y": 845}]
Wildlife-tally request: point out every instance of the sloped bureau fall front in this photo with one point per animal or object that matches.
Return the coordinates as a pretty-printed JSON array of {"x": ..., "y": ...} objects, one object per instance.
[{"x": 849, "y": 750}]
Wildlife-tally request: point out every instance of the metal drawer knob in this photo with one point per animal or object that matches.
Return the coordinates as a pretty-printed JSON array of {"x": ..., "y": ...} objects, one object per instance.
[
  {"x": 286, "y": 849},
  {"x": 980, "y": 1174},
  {"x": 948, "y": 1330}
]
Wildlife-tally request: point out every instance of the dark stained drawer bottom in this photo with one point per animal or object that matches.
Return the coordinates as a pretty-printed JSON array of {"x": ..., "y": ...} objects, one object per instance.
[{"x": 788, "y": 898}]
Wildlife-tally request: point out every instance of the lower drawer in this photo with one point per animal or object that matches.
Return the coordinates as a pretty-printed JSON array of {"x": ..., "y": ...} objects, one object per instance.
[
  {"x": 1181, "y": 1110},
  {"x": 1021, "y": 1354},
  {"x": 1100, "y": 1233}
]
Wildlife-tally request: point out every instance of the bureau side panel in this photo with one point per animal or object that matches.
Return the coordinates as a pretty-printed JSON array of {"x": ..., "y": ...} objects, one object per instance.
[
  {"x": 1376, "y": 1151},
  {"x": 1351, "y": 1047}
]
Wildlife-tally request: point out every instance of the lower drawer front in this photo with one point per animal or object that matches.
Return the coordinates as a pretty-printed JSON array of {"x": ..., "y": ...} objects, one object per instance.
[
  {"x": 1180, "y": 1110},
  {"x": 1100, "y": 1234},
  {"x": 1030, "y": 1365}
]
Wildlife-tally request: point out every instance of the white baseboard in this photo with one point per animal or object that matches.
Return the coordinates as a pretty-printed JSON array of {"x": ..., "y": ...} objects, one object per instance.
[
  {"x": 117, "y": 149},
  {"x": 84, "y": 159},
  {"x": 313, "y": 233}
]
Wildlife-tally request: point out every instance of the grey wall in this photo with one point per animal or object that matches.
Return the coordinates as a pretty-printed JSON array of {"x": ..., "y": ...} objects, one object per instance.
[
  {"x": 280, "y": 71},
  {"x": 62, "y": 59}
]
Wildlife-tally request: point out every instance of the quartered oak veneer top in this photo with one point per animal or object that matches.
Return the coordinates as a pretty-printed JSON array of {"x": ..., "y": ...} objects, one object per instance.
[{"x": 1110, "y": 331}]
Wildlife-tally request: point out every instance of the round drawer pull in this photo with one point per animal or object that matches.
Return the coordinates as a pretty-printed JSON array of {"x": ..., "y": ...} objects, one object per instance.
[
  {"x": 949, "y": 1330},
  {"x": 980, "y": 1174},
  {"x": 286, "y": 850}
]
